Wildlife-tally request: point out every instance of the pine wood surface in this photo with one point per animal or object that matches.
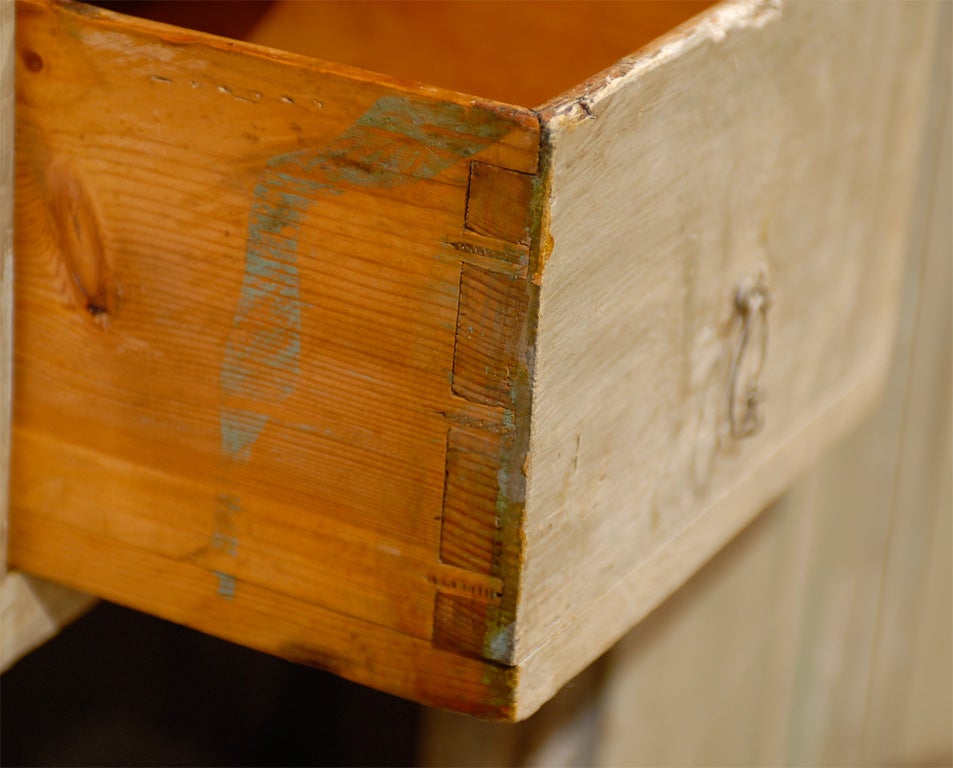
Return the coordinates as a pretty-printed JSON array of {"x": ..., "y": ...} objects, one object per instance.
[
  {"x": 277, "y": 329},
  {"x": 31, "y": 609},
  {"x": 6, "y": 263},
  {"x": 519, "y": 51},
  {"x": 238, "y": 341}
]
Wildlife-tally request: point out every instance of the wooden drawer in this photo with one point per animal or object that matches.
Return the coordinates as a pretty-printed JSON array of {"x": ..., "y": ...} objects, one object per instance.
[{"x": 435, "y": 392}]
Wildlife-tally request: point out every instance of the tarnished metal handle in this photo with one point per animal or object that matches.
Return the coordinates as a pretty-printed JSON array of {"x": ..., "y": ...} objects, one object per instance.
[{"x": 745, "y": 393}]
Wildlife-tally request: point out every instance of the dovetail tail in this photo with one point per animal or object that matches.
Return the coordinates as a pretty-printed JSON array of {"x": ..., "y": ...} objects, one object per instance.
[
  {"x": 471, "y": 494},
  {"x": 498, "y": 203},
  {"x": 459, "y": 624},
  {"x": 490, "y": 313}
]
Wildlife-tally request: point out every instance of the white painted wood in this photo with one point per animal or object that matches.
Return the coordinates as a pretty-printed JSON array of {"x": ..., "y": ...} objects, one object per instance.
[
  {"x": 909, "y": 714},
  {"x": 766, "y": 143},
  {"x": 823, "y": 634},
  {"x": 31, "y": 609}
]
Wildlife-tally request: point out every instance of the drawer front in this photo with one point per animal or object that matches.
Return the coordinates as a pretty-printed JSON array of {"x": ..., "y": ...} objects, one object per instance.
[{"x": 728, "y": 214}]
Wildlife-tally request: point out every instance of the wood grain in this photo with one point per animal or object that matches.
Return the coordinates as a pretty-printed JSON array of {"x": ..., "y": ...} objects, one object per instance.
[
  {"x": 821, "y": 635},
  {"x": 31, "y": 609},
  {"x": 298, "y": 630},
  {"x": 487, "y": 349},
  {"x": 721, "y": 165},
  {"x": 839, "y": 647},
  {"x": 503, "y": 51},
  {"x": 238, "y": 336},
  {"x": 468, "y": 535},
  {"x": 6, "y": 264},
  {"x": 499, "y": 202},
  {"x": 438, "y": 393}
]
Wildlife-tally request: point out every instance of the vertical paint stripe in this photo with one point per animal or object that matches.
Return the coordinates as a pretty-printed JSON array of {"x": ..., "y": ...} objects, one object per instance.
[{"x": 397, "y": 141}]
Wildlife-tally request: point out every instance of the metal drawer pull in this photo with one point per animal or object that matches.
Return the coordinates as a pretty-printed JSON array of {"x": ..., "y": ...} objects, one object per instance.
[{"x": 745, "y": 394}]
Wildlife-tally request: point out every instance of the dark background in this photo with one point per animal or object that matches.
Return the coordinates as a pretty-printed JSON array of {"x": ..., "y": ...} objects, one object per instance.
[{"x": 119, "y": 687}]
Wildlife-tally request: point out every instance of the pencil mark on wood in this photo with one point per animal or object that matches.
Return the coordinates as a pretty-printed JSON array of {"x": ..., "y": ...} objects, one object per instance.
[
  {"x": 449, "y": 584},
  {"x": 492, "y": 427},
  {"x": 511, "y": 256}
]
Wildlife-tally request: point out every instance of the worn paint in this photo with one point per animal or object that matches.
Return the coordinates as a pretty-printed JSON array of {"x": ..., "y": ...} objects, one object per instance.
[
  {"x": 226, "y": 584},
  {"x": 499, "y": 640},
  {"x": 240, "y": 429},
  {"x": 398, "y": 140},
  {"x": 262, "y": 352},
  {"x": 225, "y": 538}
]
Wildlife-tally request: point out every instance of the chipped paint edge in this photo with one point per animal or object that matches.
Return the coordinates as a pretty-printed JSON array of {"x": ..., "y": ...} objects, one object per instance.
[{"x": 712, "y": 25}]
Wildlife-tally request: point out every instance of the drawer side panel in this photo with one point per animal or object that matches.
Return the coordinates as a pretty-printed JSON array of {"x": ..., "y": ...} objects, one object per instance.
[{"x": 238, "y": 282}]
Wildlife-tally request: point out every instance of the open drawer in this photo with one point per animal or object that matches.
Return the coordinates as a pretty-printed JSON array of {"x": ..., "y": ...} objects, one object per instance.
[{"x": 436, "y": 392}]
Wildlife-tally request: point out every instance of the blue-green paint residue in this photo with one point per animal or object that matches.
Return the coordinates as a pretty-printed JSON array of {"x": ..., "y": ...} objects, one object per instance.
[
  {"x": 398, "y": 140},
  {"x": 262, "y": 353},
  {"x": 226, "y": 584},
  {"x": 225, "y": 536}
]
